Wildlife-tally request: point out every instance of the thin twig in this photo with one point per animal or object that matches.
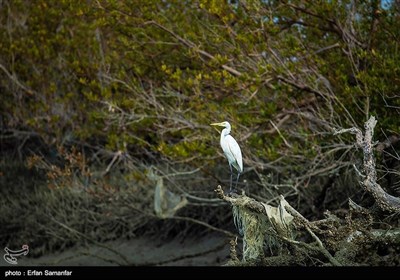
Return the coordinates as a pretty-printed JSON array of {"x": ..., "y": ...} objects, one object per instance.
[
  {"x": 191, "y": 45},
  {"x": 280, "y": 134},
  {"x": 15, "y": 80}
]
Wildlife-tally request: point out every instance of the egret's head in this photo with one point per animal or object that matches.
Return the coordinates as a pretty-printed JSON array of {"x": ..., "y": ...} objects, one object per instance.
[{"x": 223, "y": 124}]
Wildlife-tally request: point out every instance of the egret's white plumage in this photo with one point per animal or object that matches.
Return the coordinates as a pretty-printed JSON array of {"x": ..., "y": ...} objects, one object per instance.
[{"x": 231, "y": 150}]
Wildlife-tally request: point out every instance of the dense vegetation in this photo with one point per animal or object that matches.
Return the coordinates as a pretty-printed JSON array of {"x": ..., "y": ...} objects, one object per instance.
[{"x": 105, "y": 97}]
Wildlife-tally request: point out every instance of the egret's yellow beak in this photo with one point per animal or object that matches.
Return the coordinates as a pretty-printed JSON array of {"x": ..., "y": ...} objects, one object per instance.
[{"x": 218, "y": 124}]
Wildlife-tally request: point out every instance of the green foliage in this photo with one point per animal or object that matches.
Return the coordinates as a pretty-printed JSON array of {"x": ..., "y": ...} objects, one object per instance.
[{"x": 150, "y": 76}]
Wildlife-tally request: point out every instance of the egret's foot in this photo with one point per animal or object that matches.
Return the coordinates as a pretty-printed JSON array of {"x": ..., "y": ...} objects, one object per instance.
[{"x": 231, "y": 191}]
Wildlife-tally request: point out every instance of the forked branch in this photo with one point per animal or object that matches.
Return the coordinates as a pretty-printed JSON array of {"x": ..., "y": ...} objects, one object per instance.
[{"x": 385, "y": 201}]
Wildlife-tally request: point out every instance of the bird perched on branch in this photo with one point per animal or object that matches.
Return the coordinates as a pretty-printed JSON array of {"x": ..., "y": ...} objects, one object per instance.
[{"x": 231, "y": 150}]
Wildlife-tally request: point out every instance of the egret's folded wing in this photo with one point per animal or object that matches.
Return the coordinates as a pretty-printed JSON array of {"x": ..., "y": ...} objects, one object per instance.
[{"x": 235, "y": 150}]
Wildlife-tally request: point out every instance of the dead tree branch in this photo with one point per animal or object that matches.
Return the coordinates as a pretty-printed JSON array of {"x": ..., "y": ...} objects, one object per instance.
[
  {"x": 308, "y": 227},
  {"x": 385, "y": 201},
  {"x": 236, "y": 199},
  {"x": 302, "y": 222}
]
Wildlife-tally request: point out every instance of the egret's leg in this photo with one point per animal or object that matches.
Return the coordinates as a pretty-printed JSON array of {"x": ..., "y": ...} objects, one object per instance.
[
  {"x": 237, "y": 179},
  {"x": 230, "y": 186}
]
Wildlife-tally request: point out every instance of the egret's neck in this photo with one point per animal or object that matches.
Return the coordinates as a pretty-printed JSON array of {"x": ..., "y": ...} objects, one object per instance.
[{"x": 226, "y": 131}]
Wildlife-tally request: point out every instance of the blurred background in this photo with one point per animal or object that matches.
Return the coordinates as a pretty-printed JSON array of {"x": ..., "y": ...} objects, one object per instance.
[{"x": 106, "y": 105}]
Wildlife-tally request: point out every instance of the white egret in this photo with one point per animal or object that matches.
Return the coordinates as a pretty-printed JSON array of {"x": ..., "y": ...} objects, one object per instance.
[{"x": 231, "y": 150}]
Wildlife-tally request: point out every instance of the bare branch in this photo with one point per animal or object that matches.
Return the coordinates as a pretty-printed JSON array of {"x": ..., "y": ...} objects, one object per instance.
[
  {"x": 280, "y": 134},
  {"x": 353, "y": 130},
  {"x": 243, "y": 200},
  {"x": 16, "y": 81},
  {"x": 191, "y": 45},
  {"x": 385, "y": 201}
]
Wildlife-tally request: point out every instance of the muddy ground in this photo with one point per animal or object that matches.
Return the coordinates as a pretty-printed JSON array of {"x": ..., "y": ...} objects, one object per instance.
[{"x": 210, "y": 250}]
